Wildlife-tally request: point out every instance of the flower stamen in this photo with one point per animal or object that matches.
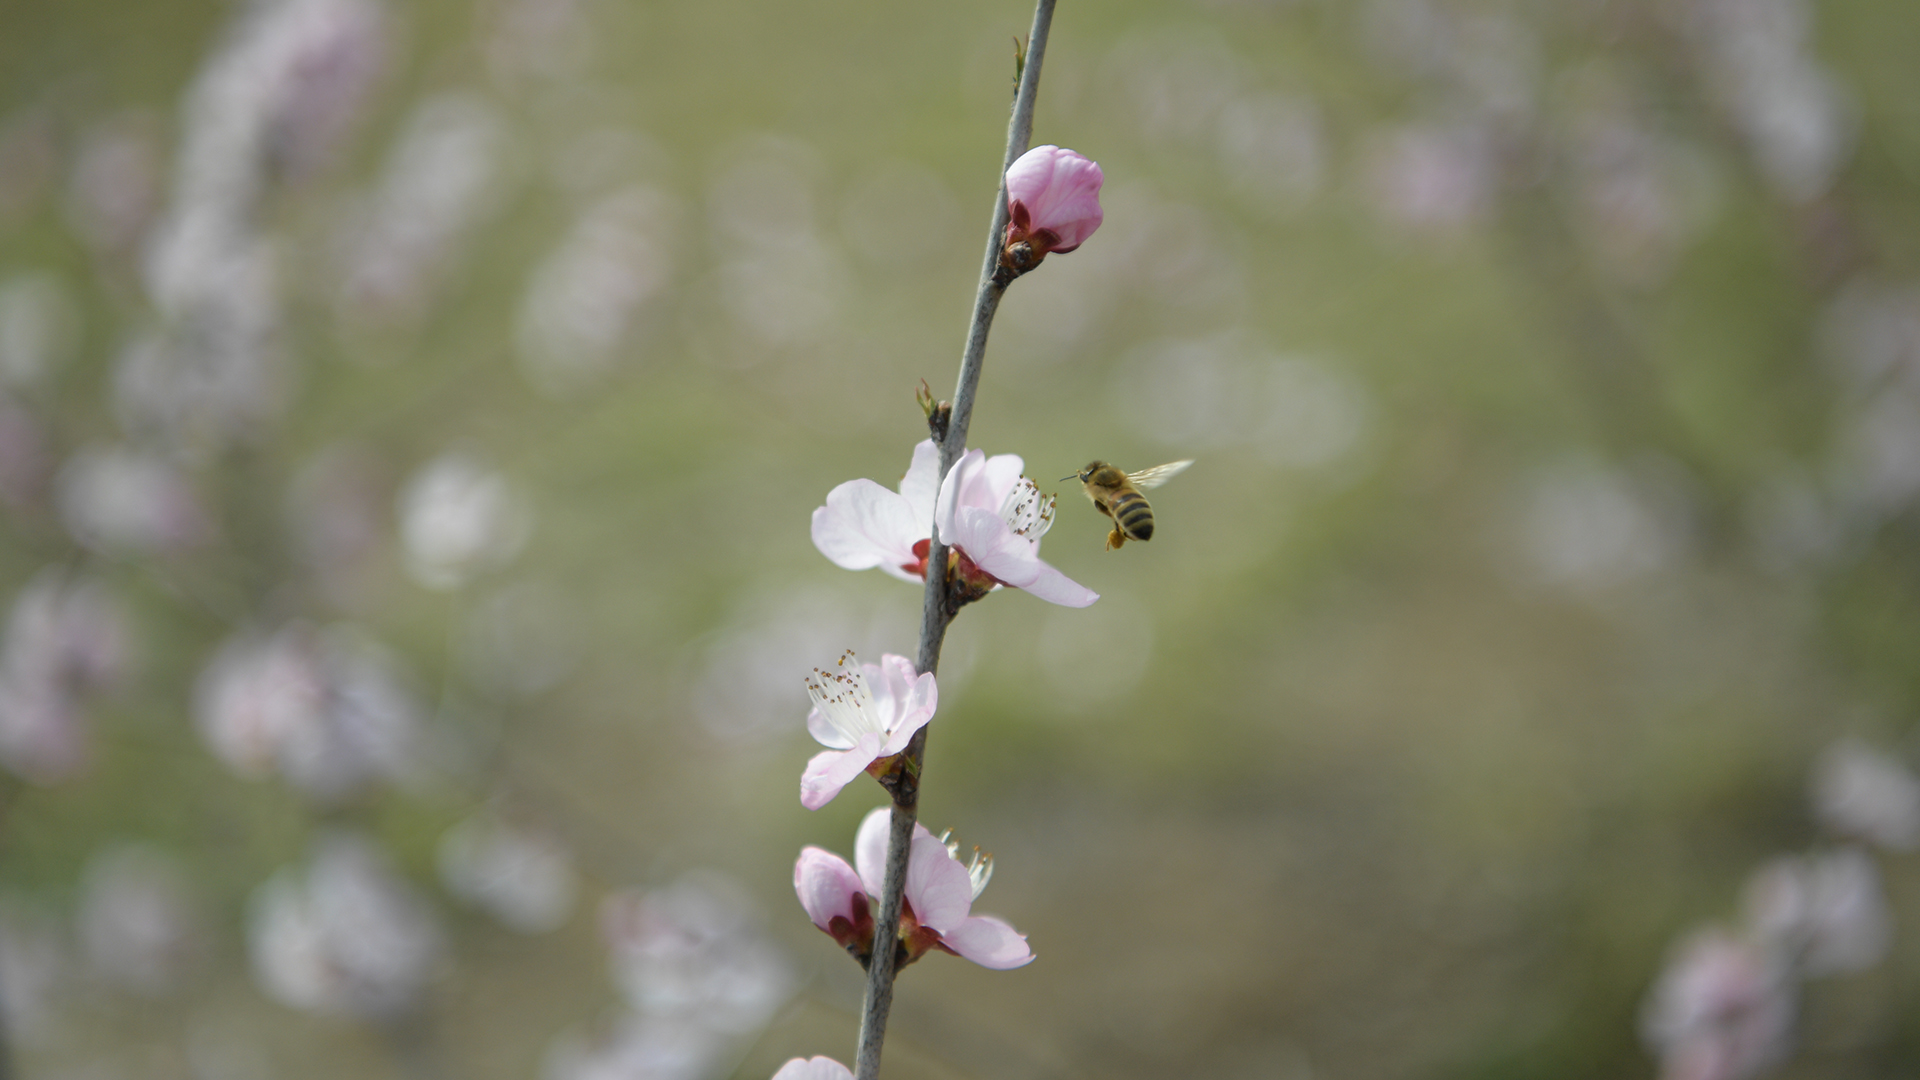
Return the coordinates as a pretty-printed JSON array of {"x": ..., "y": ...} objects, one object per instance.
[
  {"x": 845, "y": 699},
  {"x": 1027, "y": 512}
]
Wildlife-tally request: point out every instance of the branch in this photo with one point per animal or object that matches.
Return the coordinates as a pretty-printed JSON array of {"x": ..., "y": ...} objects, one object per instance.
[{"x": 936, "y": 613}]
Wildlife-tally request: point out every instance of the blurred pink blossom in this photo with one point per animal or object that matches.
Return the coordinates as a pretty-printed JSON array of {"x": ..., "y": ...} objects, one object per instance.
[
  {"x": 864, "y": 714},
  {"x": 344, "y": 935},
  {"x": 995, "y": 517},
  {"x": 1863, "y": 792},
  {"x": 1722, "y": 1010},
  {"x": 1436, "y": 178},
  {"x": 818, "y": 1068},
  {"x": 1828, "y": 911},
  {"x": 64, "y": 638},
  {"x": 124, "y": 501},
  {"x": 520, "y": 876},
  {"x": 1053, "y": 197},
  {"x": 445, "y": 174},
  {"x": 697, "y": 972},
  {"x": 694, "y": 953},
  {"x": 936, "y": 906},
  {"x": 328, "y": 710},
  {"x": 630, "y": 1046},
  {"x": 459, "y": 518}
]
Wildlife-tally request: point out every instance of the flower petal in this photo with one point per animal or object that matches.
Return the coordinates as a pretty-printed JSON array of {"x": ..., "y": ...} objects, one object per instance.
[
  {"x": 921, "y": 485},
  {"x": 938, "y": 887},
  {"x": 889, "y": 681},
  {"x": 989, "y": 942},
  {"x": 983, "y": 482},
  {"x": 1012, "y": 559},
  {"x": 949, "y": 497},
  {"x": 1057, "y": 588},
  {"x": 916, "y": 709},
  {"x": 863, "y": 525},
  {"x": 818, "y": 1068},
  {"x": 826, "y": 886},
  {"x": 831, "y": 770},
  {"x": 870, "y": 850},
  {"x": 993, "y": 547}
]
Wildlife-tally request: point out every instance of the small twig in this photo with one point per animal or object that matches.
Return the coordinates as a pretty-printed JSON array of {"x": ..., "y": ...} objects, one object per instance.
[{"x": 936, "y": 612}]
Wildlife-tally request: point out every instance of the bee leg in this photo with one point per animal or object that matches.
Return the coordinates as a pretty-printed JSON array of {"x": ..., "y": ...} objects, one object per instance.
[{"x": 1115, "y": 539}]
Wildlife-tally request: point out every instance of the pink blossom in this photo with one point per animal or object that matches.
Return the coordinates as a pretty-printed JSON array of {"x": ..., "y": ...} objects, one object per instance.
[
  {"x": 864, "y": 714},
  {"x": 991, "y": 514},
  {"x": 694, "y": 954},
  {"x": 1827, "y": 911},
  {"x": 936, "y": 908},
  {"x": 834, "y": 899},
  {"x": 1864, "y": 792},
  {"x": 819, "y": 1068},
  {"x": 996, "y": 517},
  {"x": 1053, "y": 198},
  {"x": 1722, "y": 1010},
  {"x": 864, "y": 525},
  {"x": 343, "y": 935}
]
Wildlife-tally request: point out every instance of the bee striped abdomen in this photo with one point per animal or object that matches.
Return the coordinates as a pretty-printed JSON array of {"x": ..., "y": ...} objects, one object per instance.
[{"x": 1133, "y": 515}]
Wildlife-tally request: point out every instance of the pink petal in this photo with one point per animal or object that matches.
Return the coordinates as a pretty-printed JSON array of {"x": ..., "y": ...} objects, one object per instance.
[
  {"x": 975, "y": 482},
  {"x": 996, "y": 478},
  {"x": 831, "y": 770},
  {"x": 870, "y": 849},
  {"x": 949, "y": 498},
  {"x": 819, "y": 1068},
  {"x": 938, "y": 887},
  {"x": 916, "y": 710},
  {"x": 864, "y": 525},
  {"x": 1057, "y": 588},
  {"x": 989, "y": 942},
  {"x": 889, "y": 687},
  {"x": 826, "y": 885},
  {"x": 921, "y": 485}
]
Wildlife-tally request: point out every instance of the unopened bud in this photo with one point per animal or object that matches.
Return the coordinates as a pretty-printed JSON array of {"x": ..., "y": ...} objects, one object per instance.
[{"x": 1053, "y": 206}]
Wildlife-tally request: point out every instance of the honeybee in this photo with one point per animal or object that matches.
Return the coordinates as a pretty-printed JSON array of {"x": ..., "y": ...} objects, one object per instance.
[{"x": 1117, "y": 495}]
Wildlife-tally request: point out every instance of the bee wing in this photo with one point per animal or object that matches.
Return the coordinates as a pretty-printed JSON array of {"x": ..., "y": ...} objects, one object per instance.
[{"x": 1159, "y": 474}]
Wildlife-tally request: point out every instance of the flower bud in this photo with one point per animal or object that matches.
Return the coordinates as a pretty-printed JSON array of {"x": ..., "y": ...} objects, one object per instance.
[{"x": 1053, "y": 205}]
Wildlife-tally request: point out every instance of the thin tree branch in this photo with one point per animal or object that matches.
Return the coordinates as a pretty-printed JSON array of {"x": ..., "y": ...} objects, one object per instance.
[{"x": 937, "y": 612}]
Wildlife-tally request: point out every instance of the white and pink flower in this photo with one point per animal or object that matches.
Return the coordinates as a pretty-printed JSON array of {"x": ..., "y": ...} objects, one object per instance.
[
  {"x": 864, "y": 714},
  {"x": 991, "y": 515},
  {"x": 864, "y": 525},
  {"x": 1053, "y": 200},
  {"x": 996, "y": 517},
  {"x": 936, "y": 908}
]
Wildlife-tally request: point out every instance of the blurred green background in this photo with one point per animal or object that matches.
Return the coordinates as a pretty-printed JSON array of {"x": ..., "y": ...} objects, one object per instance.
[{"x": 1552, "y": 373}]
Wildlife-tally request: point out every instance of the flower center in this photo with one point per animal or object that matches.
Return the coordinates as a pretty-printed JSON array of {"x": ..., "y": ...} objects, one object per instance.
[
  {"x": 845, "y": 699},
  {"x": 1027, "y": 512}
]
